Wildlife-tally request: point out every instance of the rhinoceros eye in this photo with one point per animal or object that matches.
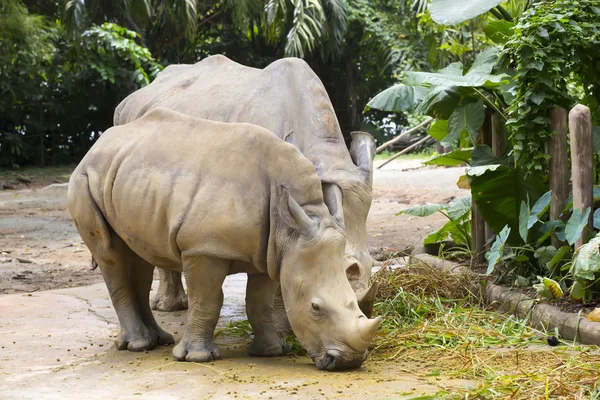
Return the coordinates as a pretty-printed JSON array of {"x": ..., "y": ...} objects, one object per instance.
[{"x": 316, "y": 307}]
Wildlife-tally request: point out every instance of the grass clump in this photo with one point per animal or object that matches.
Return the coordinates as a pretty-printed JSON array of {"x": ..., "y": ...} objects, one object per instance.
[{"x": 435, "y": 325}]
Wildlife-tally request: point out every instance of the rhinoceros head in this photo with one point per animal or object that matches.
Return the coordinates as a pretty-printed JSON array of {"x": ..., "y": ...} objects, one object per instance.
[
  {"x": 320, "y": 303},
  {"x": 348, "y": 195}
]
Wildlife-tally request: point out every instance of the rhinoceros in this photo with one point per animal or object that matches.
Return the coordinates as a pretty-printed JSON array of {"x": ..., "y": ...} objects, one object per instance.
[
  {"x": 288, "y": 99},
  {"x": 211, "y": 199}
]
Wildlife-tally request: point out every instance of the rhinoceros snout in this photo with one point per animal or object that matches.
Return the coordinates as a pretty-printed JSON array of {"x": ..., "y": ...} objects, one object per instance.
[{"x": 335, "y": 360}]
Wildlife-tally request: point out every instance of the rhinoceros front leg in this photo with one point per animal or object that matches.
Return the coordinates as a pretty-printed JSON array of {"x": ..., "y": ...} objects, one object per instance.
[
  {"x": 170, "y": 295},
  {"x": 204, "y": 277},
  {"x": 280, "y": 318},
  {"x": 260, "y": 293}
]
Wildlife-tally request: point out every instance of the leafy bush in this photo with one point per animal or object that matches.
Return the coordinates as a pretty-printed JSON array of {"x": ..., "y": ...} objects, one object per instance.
[{"x": 554, "y": 47}]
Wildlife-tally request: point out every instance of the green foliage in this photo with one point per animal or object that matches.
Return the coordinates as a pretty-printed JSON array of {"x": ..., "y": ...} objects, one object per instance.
[
  {"x": 451, "y": 12},
  {"x": 497, "y": 249},
  {"x": 451, "y": 159},
  {"x": 47, "y": 111},
  {"x": 576, "y": 225},
  {"x": 585, "y": 269},
  {"x": 452, "y": 96},
  {"x": 555, "y": 46},
  {"x": 458, "y": 227},
  {"x": 498, "y": 191}
]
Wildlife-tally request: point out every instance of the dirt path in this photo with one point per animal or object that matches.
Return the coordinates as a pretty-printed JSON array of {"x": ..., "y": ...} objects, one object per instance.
[{"x": 57, "y": 344}]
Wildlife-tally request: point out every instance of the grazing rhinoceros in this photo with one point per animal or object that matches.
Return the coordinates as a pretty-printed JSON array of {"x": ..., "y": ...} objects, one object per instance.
[
  {"x": 213, "y": 199},
  {"x": 288, "y": 99}
]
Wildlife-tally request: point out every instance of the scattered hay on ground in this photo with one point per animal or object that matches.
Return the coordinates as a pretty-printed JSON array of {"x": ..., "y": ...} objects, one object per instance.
[{"x": 434, "y": 326}]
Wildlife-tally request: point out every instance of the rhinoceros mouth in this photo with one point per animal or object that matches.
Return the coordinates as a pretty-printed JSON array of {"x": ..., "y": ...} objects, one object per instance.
[{"x": 337, "y": 360}]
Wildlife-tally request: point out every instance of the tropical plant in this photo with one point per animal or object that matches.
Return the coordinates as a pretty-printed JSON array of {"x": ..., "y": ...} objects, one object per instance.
[
  {"x": 521, "y": 264},
  {"x": 458, "y": 227},
  {"x": 555, "y": 50}
]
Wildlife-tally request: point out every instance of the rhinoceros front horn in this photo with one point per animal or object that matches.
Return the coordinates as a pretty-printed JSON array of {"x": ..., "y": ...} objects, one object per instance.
[
  {"x": 368, "y": 327},
  {"x": 366, "y": 299},
  {"x": 362, "y": 151}
]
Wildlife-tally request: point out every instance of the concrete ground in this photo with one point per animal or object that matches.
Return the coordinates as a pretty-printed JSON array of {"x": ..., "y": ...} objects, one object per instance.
[{"x": 57, "y": 344}]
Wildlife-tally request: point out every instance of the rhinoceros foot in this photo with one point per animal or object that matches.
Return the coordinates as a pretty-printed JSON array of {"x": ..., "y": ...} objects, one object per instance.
[
  {"x": 196, "y": 352},
  {"x": 170, "y": 295},
  {"x": 145, "y": 340},
  {"x": 169, "y": 302},
  {"x": 268, "y": 348}
]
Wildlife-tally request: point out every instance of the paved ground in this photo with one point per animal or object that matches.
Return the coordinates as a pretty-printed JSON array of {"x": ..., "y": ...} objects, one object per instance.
[{"x": 58, "y": 343}]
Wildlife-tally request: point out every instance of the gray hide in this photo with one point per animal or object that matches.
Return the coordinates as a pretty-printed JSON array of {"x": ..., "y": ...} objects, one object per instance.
[
  {"x": 289, "y": 100},
  {"x": 210, "y": 199}
]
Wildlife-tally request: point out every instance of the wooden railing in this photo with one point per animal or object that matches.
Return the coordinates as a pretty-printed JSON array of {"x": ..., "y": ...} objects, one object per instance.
[{"x": 582, "y": 168}]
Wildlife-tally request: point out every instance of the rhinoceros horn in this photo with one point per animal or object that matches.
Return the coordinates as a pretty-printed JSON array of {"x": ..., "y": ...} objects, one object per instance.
[
  {"x": 362, "y": 151},
  {"x": 366, "y": 299},
  {"x": 368, "y": 327},
  {"x": 332, "y": 195}
]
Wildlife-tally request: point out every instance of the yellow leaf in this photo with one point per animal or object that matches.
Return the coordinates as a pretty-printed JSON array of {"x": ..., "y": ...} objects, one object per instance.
[
  {"x": 594, "y": 316},
  {"x": 463, "y": 182}
]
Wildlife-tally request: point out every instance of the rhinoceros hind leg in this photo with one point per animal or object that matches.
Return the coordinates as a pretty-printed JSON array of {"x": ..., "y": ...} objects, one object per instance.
[
  {"x": 139, "y": 329},
  {"x": 260, "y": 293},
  {"x": 170, "y": 295},
  {"x": 204, "y": 277}
]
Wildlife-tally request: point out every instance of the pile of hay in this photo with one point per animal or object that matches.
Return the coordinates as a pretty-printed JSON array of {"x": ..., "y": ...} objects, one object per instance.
[{"x": 425, "y": 280}]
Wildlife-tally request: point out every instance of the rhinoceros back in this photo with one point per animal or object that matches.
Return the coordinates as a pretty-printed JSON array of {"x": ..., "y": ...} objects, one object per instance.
[
  {"x": 286, "y": 98},
  {"x": 167, "y": 173}
]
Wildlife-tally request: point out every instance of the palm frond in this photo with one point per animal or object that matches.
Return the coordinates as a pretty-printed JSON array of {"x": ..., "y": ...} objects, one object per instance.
[
  {"x": 306, "y": 27},
  {"x": 73, "y": 11},
  {"x": 334, "y": 27}
]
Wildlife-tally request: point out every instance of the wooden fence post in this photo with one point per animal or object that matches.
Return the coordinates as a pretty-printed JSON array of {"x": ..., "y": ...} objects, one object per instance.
[
  {"x": 439, "y": 148},
  {"x": 498, "y": 135},
  {"x": 558, "y": 166},
  {"x": 582, "y": 162},
  {"x": 480, "y": 232}
]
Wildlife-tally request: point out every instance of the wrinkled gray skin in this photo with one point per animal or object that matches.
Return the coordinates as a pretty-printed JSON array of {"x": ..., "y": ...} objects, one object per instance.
[
  {"x": 289, "y": 100},
  {"x": 212, "y": 199}
]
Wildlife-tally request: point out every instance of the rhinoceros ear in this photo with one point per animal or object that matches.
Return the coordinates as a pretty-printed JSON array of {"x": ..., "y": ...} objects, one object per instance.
[
  {"x": 332, "y": 195},
  {"x": 294, "y": 216},
  {"x": 362, "y": 151}
]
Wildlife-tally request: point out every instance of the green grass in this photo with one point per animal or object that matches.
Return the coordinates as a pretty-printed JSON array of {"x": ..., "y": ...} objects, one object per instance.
[
  {"x": 386, "y": 155},
  {"x": 60, "y": 173}
]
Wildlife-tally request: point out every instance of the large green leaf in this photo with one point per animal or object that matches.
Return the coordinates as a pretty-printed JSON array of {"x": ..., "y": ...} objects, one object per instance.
[
  {"x": 586, "y": 260},
  {"x": 452, "y": 159},
  {"x": 439, "y": 129},
  {"x": 497, "y": 250},
  {"x": 498, "y": 192},
  {"x": 523, "y": 219},
  {"x": 440, "y": 102},
  {"x": 459, "y": 208},
  {"x": 398, "y": 98},
  {"x": 499, "y": 31},
  {"x": 466, "y": 118},
  {"x": 576, "y": 224},
  {"x": 482, "y": 155},
  {"x": 449, "y": 229},
  {"x": 478, "y": 75},
  {"x": 423, "y": 211},
  {"x": 596, "y": 218},
  {"x": 539, "y": 208},
  {"x": 452, "y": 12}
]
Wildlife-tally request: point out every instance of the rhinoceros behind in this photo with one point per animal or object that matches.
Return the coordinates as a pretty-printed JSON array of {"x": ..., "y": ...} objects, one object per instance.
[
  {"x": 288, "y": 99},
  {"x": 213, "y": 199}
]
